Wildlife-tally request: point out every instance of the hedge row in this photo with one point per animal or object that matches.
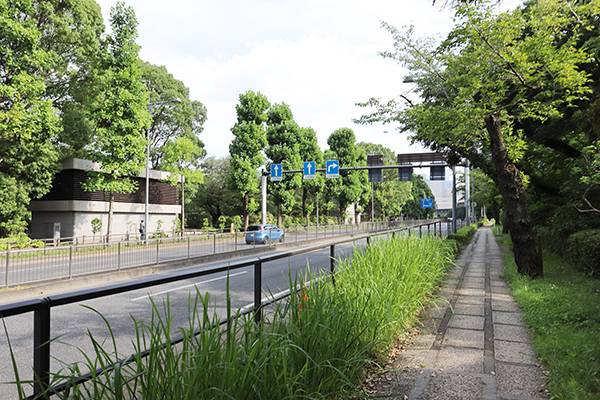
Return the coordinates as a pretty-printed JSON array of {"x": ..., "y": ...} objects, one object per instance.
[
  {"x": 583, "y": 251},
  {"x": 463, "y": 235}
]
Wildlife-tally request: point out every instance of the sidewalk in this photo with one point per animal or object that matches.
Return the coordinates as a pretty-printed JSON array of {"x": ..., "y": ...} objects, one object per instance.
[{"x": 482, "y": 350}]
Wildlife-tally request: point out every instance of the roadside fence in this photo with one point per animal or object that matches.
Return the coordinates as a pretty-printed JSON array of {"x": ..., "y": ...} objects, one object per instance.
[{"x": 22, "y": 266}]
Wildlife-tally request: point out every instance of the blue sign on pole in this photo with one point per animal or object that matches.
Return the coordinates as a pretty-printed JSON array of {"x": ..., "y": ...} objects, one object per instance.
[
  {"x": 426, "y": 203},
  {"x": 310, "y": 170},
  {"x": 276, "y": 172},
  {"x": 332, "y": 169}
]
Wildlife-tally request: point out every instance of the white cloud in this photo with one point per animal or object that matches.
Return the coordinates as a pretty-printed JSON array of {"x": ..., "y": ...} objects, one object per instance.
[{"x": 318, "y": 56}]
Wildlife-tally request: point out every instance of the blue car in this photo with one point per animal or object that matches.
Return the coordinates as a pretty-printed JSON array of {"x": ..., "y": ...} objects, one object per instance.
[{"x": 264, "y": 234}]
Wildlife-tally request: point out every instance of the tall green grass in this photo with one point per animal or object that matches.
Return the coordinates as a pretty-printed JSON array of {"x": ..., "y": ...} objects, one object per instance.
[
  {"x": 315, "y": 345},
  {"x": 562, "y": 311}
]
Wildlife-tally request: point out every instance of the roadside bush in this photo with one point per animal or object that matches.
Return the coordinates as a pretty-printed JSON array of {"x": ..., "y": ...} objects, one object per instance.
[
  {"x": 19, "y": 241},
  {"x": 463, "y": 235},
  {"x": 583, "y": 251},
  {"x": 452, "y": 244}
]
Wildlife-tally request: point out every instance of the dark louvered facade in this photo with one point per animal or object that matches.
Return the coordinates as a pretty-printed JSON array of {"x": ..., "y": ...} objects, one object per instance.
[{"x": 67, "y": 185}]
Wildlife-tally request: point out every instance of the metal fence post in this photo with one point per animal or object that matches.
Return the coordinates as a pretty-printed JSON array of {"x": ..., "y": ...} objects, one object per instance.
[
  {"x": 157, "y": 240},
  {"x": 119, "y": 256},
  {"x": 188, "y": 247},
  {"x": 7, "y": 263},
  {"x": 215, "y": 243},
  {"x": 70, "y": 262},
  {"x": 257, "y": 291},
  {"x": 235, "y": 233},
  {"x": 41, "y": 347},
  {"x": 332, "y": 262}
]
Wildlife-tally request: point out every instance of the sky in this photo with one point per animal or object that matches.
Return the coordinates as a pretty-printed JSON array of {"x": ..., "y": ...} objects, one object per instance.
[{"x": 318, "y": 56}]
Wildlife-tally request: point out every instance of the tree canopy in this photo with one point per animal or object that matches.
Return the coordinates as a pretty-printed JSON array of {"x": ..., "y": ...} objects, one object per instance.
[
  {"x": 501, "y": 90},
  {"x": 119, "y": 114},
  {"x": 246, "y": 148}
]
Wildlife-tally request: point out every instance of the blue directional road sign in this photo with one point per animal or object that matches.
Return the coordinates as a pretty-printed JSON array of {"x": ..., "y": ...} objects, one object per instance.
[
  {"x": 426, "y": 203},
  {"x": 332, "y": 169},
  {"x": 310, "y": 169},
  {"x": 276, "y": 172}
]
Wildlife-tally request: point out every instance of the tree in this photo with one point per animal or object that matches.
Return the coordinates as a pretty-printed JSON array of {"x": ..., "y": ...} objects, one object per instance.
[
  {"x": 212, "y": 197},
  {"x": 28, "y": 123},
  {"x": 171, "y": 120},
  {"x": 181, "y": 160},
  {"x": 246, "y": 148},
  {"x": 119, "y": 114},
  {"x": 516, "y": 74},
  {"x": 72, "y": 31},
  {"x": 283, "y": 148},
  {"x": 351, "y": 185}
]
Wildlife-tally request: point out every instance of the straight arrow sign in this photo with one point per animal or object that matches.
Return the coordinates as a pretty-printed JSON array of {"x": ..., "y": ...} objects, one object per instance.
[
  {"x": 276, "y": 172},
  {"x": 310, "y": 170}
]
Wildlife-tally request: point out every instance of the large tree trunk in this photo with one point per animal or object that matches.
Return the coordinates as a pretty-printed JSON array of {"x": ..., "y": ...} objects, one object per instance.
[{"x": 515, "y": 202}]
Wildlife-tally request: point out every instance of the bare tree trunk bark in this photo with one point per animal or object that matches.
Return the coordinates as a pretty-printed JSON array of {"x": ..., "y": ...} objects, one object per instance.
[{"x": 515, "y": 202}]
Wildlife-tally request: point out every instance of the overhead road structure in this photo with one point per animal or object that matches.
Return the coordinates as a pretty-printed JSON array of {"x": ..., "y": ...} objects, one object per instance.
[{"x": 406, "y": 162}]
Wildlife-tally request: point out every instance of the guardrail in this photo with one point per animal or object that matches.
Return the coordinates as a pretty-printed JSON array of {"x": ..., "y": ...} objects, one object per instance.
[
  {"x": 41, "y": 308},
  {"x": 22, "y": 266}
]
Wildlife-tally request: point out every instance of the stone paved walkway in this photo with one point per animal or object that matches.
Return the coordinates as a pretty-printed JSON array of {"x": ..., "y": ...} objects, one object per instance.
[{"x": 474, "y": 344}]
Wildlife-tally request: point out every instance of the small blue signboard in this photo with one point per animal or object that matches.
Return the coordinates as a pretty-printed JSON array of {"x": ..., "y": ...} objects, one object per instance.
[
  {"x": 276, "y": 172},
  {"x": 310, "y": 170},
  {"x": 332, "y": 169},
  {"x": 426, "y": 203}
]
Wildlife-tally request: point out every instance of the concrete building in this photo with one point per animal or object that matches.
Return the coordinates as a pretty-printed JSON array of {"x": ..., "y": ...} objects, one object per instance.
[{"x": 67, "y": 210}]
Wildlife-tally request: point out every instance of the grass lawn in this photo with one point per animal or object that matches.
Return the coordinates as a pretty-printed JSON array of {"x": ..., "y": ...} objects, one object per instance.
[{"x": 562, "y": 311}]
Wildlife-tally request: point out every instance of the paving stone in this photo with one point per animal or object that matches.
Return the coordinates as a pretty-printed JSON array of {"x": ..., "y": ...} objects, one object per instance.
[
  {"x": 508, "y": 318},
  {"x": 519, "y": 380},
  {"x": 512, "y": 333},
  {"x": 479, "y": 292},
  {"x": 466, "y": 322},
  {"x": 463, "y": 338},
  {"x": 470, "y": 300},
  {"x": 469, "y": 309},
  {"x": 514, "y": 352},
  {"x": 460, "y": 360},
  {"x": 504, "y": 303},
  {"x": 446, "y": 386}
]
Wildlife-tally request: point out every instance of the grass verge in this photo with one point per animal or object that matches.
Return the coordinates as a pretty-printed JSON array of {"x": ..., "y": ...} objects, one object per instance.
[{"x": 562, "y": 311}]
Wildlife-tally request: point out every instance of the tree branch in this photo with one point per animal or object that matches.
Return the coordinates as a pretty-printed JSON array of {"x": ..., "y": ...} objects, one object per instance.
[{"x": 508, "y": 63}]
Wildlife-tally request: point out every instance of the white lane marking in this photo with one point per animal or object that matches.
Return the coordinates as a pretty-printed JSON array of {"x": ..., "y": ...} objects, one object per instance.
[
  {"x": 186, "y": 286},
  {"x": 269, "y": 297}
]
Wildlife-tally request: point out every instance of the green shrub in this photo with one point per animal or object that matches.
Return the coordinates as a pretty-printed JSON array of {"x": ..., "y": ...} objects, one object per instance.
[
  {"x": 452, "y": 244},
  {"x": 20, "y": 241},
  {"x": 583, "y": 251},
  {"x": 463, "y": 235}
]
